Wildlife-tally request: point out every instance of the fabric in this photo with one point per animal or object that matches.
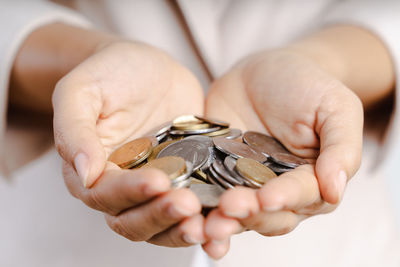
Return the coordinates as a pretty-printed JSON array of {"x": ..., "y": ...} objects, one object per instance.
[{"x": 43, "y": 225}]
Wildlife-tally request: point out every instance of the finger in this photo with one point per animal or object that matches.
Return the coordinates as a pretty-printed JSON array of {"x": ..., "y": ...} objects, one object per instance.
[
  {"x": 290, "y": 191},
  {"x": 143, "y": 222},
  {"x": 76, "y": 110},
  {"x": 218, "y": 227},
  {"x": 189, "y": 232},
  {"x": 239, "y": 203},
  {"x": 216, "y": 249},
  {"x": 116, "y": 189},
  {"x": 273, "y": 223},
  {"x": 341, "y": 143}
]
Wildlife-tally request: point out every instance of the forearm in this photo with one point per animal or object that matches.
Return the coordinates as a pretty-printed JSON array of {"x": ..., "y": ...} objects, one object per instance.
[
  {"x": 355, "y": 56},
  {"x": 47, "y": 55}
]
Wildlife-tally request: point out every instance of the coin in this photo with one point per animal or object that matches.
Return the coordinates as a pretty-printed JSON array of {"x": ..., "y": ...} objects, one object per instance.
[
  {"x": 132, "y": 153},
  {"x": 159, "y": 130},
  {"x": 198, "y": 131},
  {"x": 263, "y": 143},
  {"x": 202, "y": 139},
  {"x": 277, "y": 168},
  {"x": 288, "y": 159},
  {"x": 220, "y": 179},
  {"x": 191, "y": 127},
  {"x": 213, "y": 121},
  {"x": 233, "y": 134},
  {"x": 254, "y": 170},
  {"x": 158, "y": 148},
  {"x": 191, "y": 150},
  {"x": 200, "y": 175},
  {"x": 218, "y": 133},
  {"x": 185, "y": 120},
  {"x": 208, "y": 194},
  {"x": 172, "y": 166},
  {"x": 220, "y": 169},
  {"x": 230, "y": 165},
  {"x": 237, "y": 150},
  {"x": 185, "y": 183},
  {"x": 186, "y": 175}
]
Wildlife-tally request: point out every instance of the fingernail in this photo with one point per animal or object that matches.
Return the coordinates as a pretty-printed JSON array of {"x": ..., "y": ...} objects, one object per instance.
[
  {"x": 191, "y": 240},
  {"x": 81, "y": 163},
  {"x": 237, "y": 214},
  {"x": 341, "y": 183},
  {"x": 178, "y": 212}
]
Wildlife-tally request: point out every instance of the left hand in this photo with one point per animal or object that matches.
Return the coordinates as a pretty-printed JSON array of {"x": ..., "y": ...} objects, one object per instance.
[{"x": 286, "y": 95}]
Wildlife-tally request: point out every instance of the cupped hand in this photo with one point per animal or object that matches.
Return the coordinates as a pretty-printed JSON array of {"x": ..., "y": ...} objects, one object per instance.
[
  {"x": 286, "y": 95},
  {"x": 119, "y": 93}
]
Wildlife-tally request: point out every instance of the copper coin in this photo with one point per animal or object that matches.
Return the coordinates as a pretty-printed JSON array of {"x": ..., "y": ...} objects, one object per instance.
[
  {"x": 288, "y": 159},
  {"x": 253, "y": 170},
  {"x": 131, "y": 153},
  {"x": 158, "y": 148},
  {"x": 172, "y": 166},
  {"x": 237, "y": 150},
  {"x": 263, "y": 143},
  {"x": 213, "y": 121}
]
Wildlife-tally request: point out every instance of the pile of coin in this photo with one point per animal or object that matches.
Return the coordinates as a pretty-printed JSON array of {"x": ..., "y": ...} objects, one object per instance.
[{"x": 208, "y": 156}]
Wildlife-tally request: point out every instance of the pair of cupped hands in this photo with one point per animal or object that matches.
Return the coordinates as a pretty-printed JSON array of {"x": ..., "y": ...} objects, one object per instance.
[{"x": 125, "y": 89}]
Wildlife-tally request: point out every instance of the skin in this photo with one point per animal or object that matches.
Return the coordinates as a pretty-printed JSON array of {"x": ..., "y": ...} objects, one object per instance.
[{"x": 322, "y": 81}]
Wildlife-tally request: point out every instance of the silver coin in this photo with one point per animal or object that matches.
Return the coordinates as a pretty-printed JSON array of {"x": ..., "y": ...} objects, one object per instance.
[
  {"x": 277, "y": 168},
  {"x": 237, "y": 150},
  {"x": 162, "y": 137},
  {"x": 208, "y": 194},
  {"x": 221, "y": 180},
  {"x": 220, "y": 169},
  {"x": 212, "y": 180},
  {"x": 263, "y": 143},
  {"x": 182, "y": 184},
  {"x": 186, "y": 175},
  {"x": 202, "y": 139},
  {"x": 191, "y": 150},
  {"x": 159, "y": 130},
  {"x": 230, "y": 165},
  {"x": 233, "y": 134},
  {"x": 190, "y": 132}
]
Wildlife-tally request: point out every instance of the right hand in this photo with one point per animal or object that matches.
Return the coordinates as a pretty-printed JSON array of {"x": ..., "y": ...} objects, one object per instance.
[{"x": 118, "y": 94}]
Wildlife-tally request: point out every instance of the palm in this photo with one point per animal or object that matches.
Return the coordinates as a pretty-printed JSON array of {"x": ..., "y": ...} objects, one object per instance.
[{"x": 134, "y": 90}]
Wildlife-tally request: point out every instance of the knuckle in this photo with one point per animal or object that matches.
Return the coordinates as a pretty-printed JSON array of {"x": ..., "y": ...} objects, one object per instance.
[
  {"x": 118, "y": 225},
  {"x": 95, "y": 200}
]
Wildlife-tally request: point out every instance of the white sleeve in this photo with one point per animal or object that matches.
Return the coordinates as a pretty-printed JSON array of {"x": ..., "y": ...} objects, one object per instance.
[
  {"x": 383, "y": 19},
  {"x": 17, "y": 20}
]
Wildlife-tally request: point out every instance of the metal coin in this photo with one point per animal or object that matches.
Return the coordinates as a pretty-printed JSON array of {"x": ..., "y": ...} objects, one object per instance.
[
  {"x": 213, "y": 121},
  {"x": 253, "y": 170},
  {"x": 189, "y": 132},
  {"x": 208, "y": 194},
  {"x": 224, "y": 173},
  {"x": 237, "y": 150},
  {"x": 288, "y": 159},
  {"x": 212, "y": 180},
  {"x": 182, "y": 184},
  {"x": 186, "y": 175},
  {"x": 158, "y": 148},
  {"x": 154, "y": 140},
  {"x": 186, "y": 119},
  {"x": 230, "y": 165},
  {"x": 263, "y": 143},
  {"x": 159, "y": 130},
  {"x": 191, "y": 150},
  {"x": 277, "y": 168},
  {"x": 172, "y": 166},
  {"x": 131, "y": 153},
  {"x": 200, "y": 175},
  {"x": 191, "y": 127},
  {"x": 202, "y": 139},
  {"x": 218, "y": 133},
  {"x": 233, "y": 134},
  {"x": 220, "y": 179}
]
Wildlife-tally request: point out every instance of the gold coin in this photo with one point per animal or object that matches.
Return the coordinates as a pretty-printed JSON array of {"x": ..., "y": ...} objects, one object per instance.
[
  {"x": 158, "y": 148},
  {"x": 254, "y": 170},
  {"x": 191, "y": 126},
  {"x": 185, "y": 120},
  {"x": 218, "y": 133},
  {"x": 197, "y": 181},
  {"x": 171, "y": 165},
  {"x": 213, "y": 121},
  {"x": 200, "y": 175},
  {"x": 132, "y": 153}
]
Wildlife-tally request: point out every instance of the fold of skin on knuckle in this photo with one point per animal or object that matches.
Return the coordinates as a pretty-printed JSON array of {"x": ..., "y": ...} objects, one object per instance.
[
  {"x": 267, "y": 223},
  {"x": 117, "y": 224}
]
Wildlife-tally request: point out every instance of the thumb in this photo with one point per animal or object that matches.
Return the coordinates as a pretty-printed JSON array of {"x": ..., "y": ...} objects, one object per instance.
[
  {"x": 76, "y": 109},
  {"x": 340, "y": 134}
]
